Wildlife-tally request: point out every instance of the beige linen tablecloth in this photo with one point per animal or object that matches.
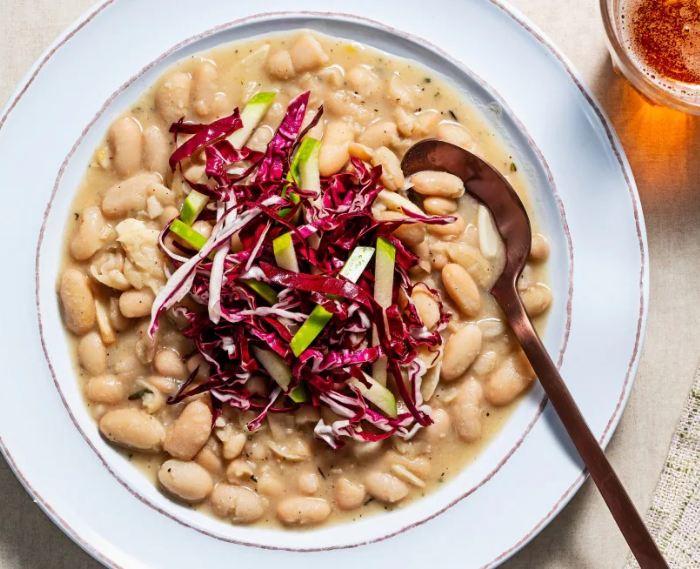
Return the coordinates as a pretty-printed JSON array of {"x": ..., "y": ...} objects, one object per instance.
[{"x": 662, "y": 147}]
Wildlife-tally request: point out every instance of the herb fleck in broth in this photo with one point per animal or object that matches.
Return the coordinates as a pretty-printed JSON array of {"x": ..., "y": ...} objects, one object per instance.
[{"x": 122, "y": 371}]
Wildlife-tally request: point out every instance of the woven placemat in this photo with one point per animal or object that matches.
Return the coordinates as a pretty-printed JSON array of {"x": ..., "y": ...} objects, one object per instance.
[{"x": 674, "y": 514}]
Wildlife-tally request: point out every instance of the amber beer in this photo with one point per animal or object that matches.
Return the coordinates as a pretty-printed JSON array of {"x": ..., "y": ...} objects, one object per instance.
[{"x": 663, "y": 36}]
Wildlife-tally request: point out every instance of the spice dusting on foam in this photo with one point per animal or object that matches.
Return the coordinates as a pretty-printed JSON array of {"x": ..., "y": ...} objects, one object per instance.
[{"x": 664, "y": 37}]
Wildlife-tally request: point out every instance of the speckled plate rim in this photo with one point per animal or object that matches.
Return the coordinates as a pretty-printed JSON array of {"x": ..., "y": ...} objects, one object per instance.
[{"x": 643, "y": 278}]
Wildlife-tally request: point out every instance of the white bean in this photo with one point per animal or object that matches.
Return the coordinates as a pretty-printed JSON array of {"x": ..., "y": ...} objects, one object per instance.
[
  {"x": 92, "y": 353},
  {"x": 492, "y": 328},
  {"x": 438, "y": 261},
  {"x": 383, "y": 133},
  {"x": 187, "y": 435},
  {"x": 412, "y": 234},
  {"x": 509, "y": 380},
  {"x": 485, "y": 363},
  {"x": 539, "y": 248},
  {"x": 91, "y": 234},
  {"x": 165, "y": 385},
  {"x": 125, "y": 139},
  {"x": 427, "y": 307},
  {"x": 457, "y": 227},
  {"x": 439, "y": 206},
  {"x": 363, "y": 80},
  {"x": 440, "y": 184},
  {"x": 474, "y": 262},
  {"x": 461, "y": 350},
  {"x": 334, "y": 153},
  {"x": 78, "y": 302},
  {"x": 456, "y": 134},
  {"x": 392, "y": 175},
  {"x": 398, "y": 92},
  {"x": 169, "y": 213},
  {"x": 536, "y": 299},
  {"x": 332, "y": 158},
  {"x": 173, "y": 97},
  {"x": 425, "y": 123},
  {"x": 132, "y": 428},
  {"x": 308, "y": 483},
  {"x": 348, "y": 104},
  {"x": 169, "y": 364},
  {"x": 152, "y": 400},
  {"x": 270, "y": 484},
  {"x": 280, "y": 65},
  {"x": 239, "y": 469},
  {"x": 303, "y": 511},
  {"x": 156, "y": 150},
  {"x": 307, "y": 53},
  {"x": 105, "y": 389},
  {"x": 440, "y": 429},
  {"x": 136, "y": 303},
  {"x": 203, "y": 367},
  {"x": 233, "y": 445},
  {"x": 260, "y": 138},
  {"x": 348, "y": 495},
  {"x": 207, "y": 458},
  {"x": 131, "y": 194},
  {"x": 467, "y": 412},
  {"x": 405, "y": 121},
  {"x": 357, "y": 150},
  {"x": 204, "y": 88},
  {"x": 461, "y": 288},
  {"x": 385, "y": 487},
  {"x": 241, "y": 504},
  {"x": 185, "y": 480}
]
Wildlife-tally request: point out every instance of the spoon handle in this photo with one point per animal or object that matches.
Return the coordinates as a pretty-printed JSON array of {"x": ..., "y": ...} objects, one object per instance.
[{"x": 621, "y": 507}]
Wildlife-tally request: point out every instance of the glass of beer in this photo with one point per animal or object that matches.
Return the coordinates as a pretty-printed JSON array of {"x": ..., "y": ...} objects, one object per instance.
[{"x": 655, "y": 44}]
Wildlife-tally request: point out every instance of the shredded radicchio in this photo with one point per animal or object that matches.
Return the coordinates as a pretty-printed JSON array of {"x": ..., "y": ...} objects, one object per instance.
[{"x": 256, "y": 200}]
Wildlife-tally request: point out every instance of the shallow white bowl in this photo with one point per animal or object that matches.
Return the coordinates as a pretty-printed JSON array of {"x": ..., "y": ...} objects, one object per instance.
[{"x": 584, "y": 199}]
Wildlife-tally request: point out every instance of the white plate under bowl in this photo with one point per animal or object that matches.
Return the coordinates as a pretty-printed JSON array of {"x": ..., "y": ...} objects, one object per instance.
[{"x": 584, "y": 198}]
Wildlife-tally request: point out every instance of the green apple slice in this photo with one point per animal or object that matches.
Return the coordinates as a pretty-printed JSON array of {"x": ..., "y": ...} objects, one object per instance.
[
  {"x": 193, "y": 206},
  {"x": 357, "y": 263},
  {"x": 384, "y": 273},
  {"x": 285, "y": 255},
  {"x": 299, "y": 394},
  {"x": 304, "y": 170},
  {"x": 275, "y": 366},
  {"x": 319, "y": 317},
  {"x": 383, "y": 291},
  {"x": 310, "y": 329},
  {"x": 307, "y": 172},
  {"x": 377, "y": 394},
  {"x": 190, "y": 236},
  {"x": 263, "y": 290},
  {"x": 251, "y": 116}
]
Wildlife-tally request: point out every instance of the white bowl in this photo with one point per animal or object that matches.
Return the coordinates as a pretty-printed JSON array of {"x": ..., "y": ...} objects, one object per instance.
[{"x": 593, "y": 331}]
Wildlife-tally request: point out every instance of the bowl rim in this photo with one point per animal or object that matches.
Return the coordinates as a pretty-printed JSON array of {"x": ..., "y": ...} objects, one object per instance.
[{"x": 615, "y": 147}]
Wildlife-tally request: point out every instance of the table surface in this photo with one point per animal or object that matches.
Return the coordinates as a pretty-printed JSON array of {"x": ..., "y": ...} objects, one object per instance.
[{"x": 660, "y": 145}]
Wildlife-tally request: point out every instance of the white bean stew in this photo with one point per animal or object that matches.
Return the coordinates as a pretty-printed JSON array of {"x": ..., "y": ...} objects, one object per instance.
[{"x": 269, "y": 319}]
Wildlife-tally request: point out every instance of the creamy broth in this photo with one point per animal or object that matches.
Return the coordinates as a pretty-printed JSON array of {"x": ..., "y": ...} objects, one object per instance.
[{"x": 119, "y": 367}]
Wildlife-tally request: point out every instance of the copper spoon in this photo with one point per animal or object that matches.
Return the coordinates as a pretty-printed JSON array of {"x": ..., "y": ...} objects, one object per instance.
[{"x": 485, "y": 184}]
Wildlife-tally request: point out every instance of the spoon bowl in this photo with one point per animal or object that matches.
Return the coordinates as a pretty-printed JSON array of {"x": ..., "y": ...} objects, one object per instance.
[
  {"x": 489, "y": 187},
  {"x": 483, "y": 182}
]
